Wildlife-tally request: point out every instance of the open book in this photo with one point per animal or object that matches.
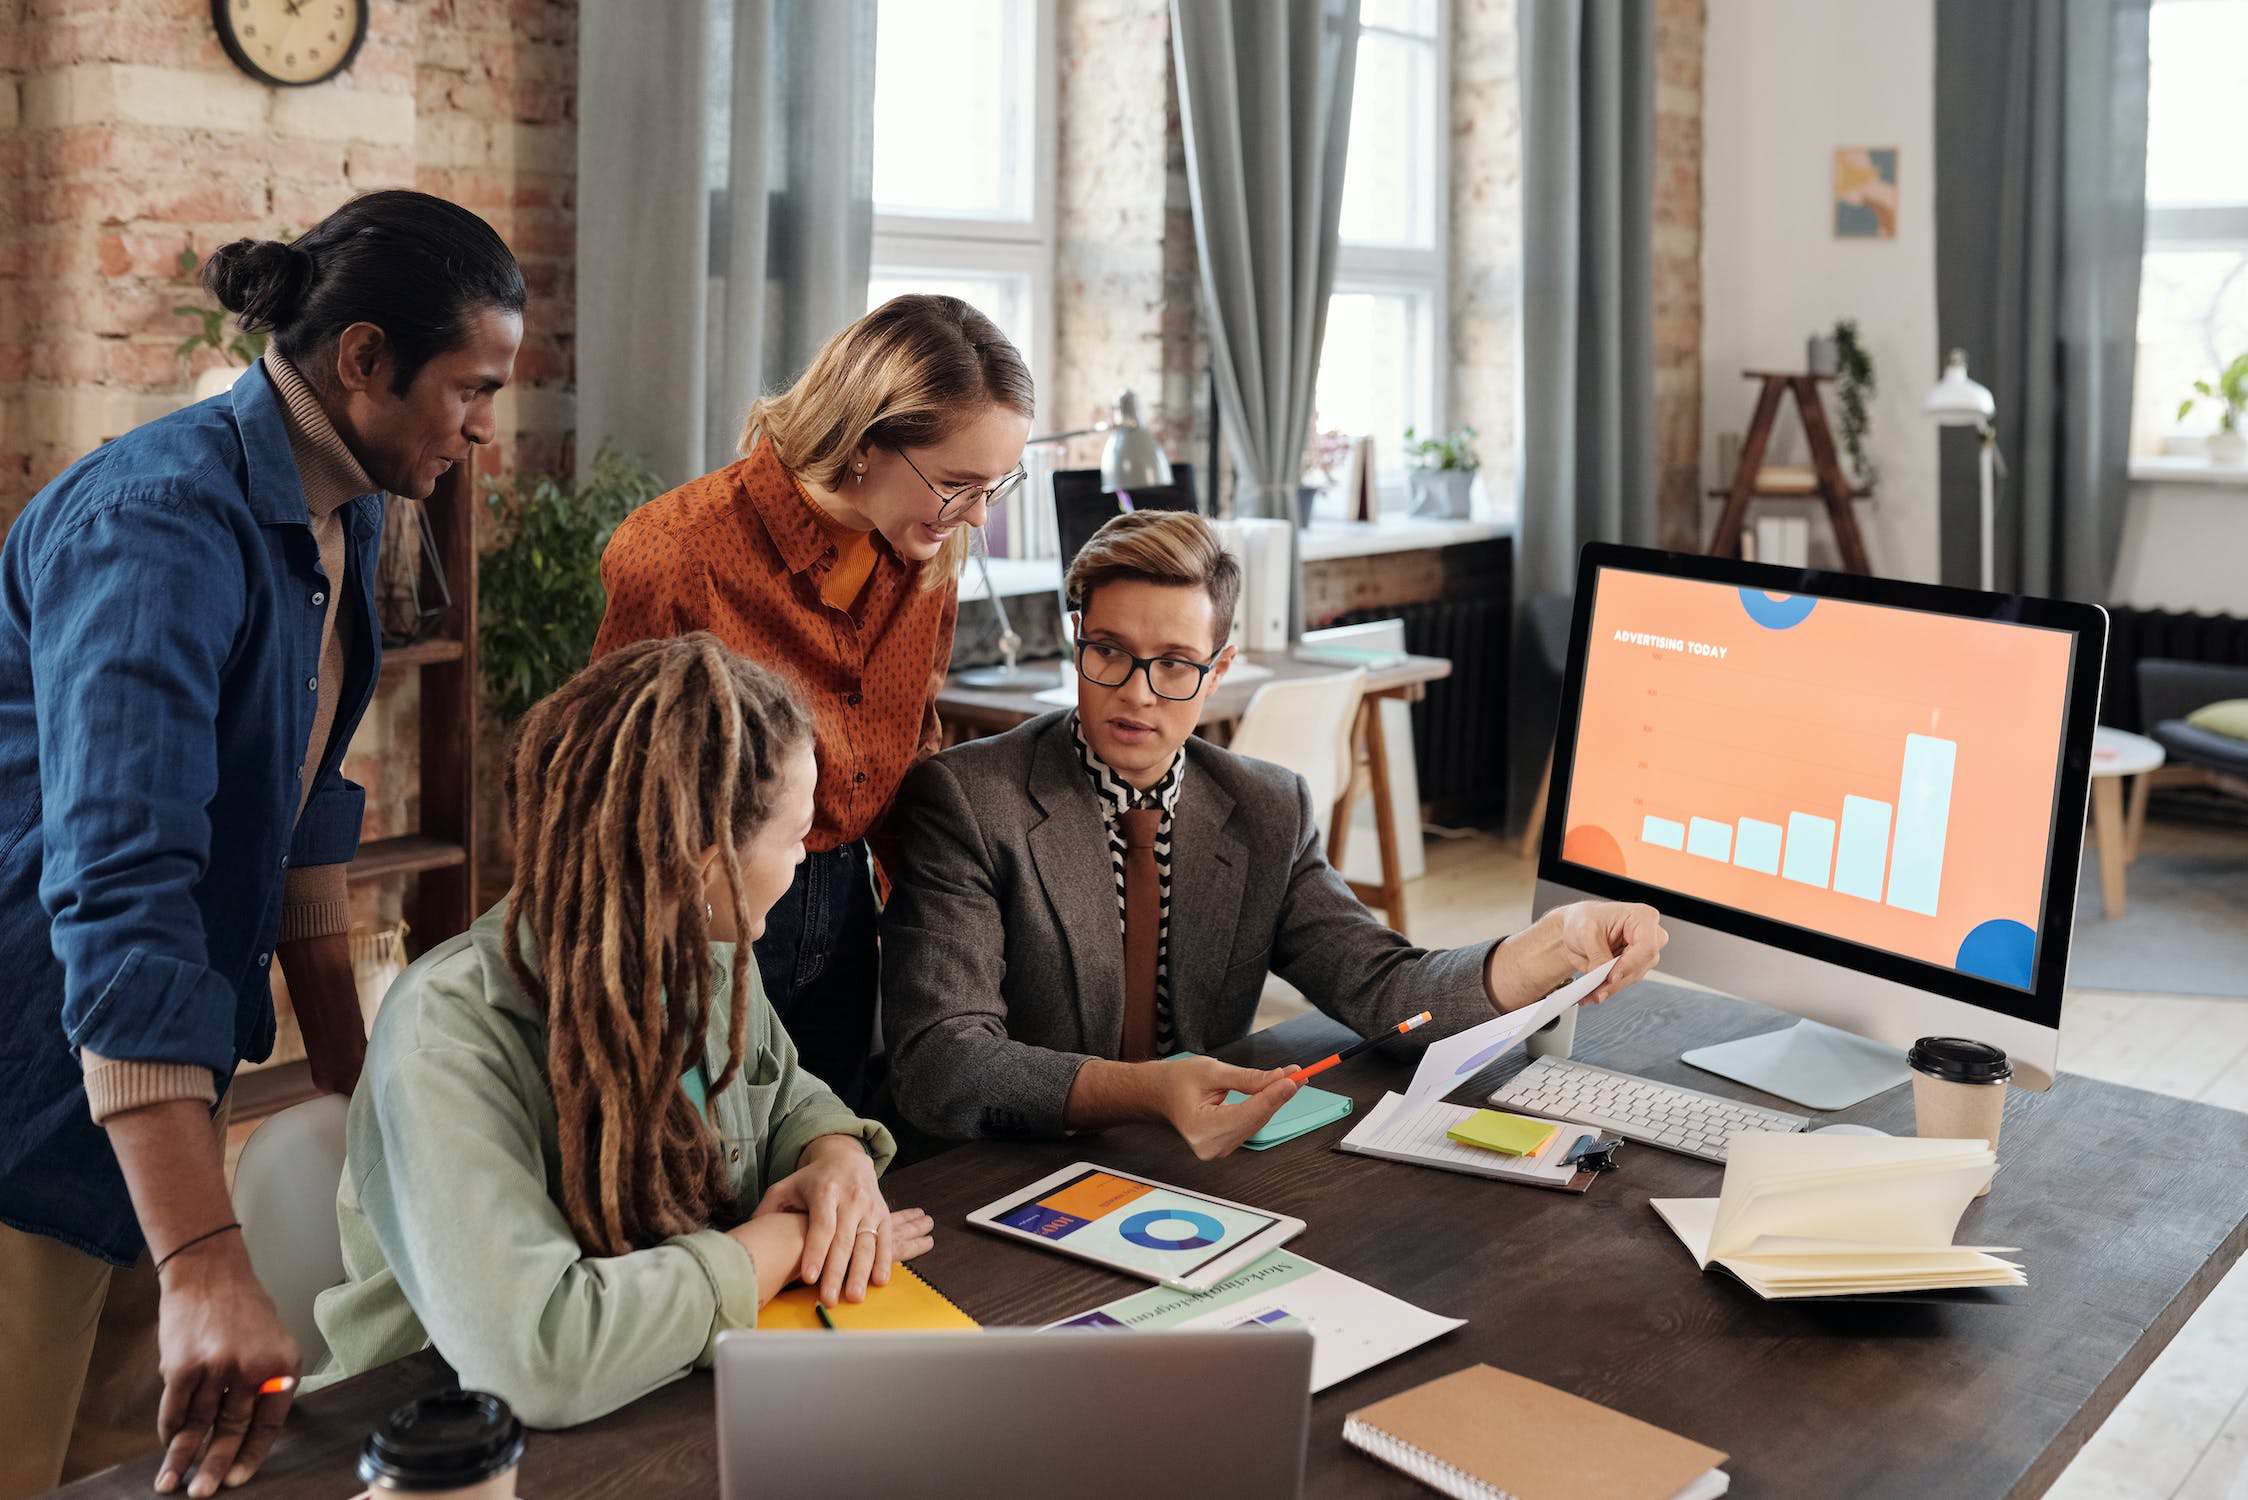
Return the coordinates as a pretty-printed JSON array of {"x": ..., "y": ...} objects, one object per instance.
[{"x": 1843, "y": 1215}]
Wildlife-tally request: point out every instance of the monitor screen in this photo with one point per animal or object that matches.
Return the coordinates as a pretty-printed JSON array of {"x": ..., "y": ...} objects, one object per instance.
[
  {"x": 1080, "y": 508},
  {"x": 1886, "y": 776}
]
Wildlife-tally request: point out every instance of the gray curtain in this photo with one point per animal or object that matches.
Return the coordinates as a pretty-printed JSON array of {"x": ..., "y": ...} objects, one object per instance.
[
  {"x": 1587, "y": 466},
  {"x": 1264, "y": 103},
  {"x": 2041, "y": 137},
  {"x": 725, "y": 163}
]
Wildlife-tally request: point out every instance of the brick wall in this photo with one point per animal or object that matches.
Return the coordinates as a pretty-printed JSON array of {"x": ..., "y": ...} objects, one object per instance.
[
  {"x": 1680, "y": 28},
  {"x": 126, "y": 134},
  {"x": 1486, "y": 238}
]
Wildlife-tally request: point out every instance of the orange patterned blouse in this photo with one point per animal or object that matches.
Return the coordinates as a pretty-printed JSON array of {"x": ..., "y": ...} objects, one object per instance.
[{"x": 739, "y": 553}]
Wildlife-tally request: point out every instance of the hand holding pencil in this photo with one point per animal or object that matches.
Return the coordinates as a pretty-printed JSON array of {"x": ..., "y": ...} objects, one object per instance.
[{"x": 1410, "y": 1023}]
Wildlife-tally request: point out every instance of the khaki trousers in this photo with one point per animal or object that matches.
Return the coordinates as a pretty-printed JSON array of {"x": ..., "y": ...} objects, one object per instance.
[{"x": 79, "y": 1376}]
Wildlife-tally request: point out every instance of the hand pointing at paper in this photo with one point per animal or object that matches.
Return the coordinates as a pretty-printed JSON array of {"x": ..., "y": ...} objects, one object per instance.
[{"x": 1575, "y": 939}]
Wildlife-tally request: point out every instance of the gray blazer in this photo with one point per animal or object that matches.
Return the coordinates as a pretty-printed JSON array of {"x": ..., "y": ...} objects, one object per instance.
[{"x": 1002, "y": 954}]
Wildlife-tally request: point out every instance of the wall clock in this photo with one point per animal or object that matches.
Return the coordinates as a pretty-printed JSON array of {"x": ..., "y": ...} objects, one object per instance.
[{"x": 291, "y": 43}]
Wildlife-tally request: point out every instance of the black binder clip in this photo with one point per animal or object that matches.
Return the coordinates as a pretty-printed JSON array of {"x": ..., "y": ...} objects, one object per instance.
[{"x": 1598, "y": 1158}]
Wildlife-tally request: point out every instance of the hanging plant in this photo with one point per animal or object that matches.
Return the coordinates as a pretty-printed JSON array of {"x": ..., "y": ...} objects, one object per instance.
[{"x": 1854, "y": 389}]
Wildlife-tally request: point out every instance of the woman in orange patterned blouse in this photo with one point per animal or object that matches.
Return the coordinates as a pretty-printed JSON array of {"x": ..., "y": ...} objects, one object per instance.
[{"x": 831, "y": 554}]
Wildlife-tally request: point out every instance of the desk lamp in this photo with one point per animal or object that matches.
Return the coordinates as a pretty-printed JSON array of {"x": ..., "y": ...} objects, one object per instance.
[
  {"x": 1131, "y": 458},
  {"x": 1957, "y": 401}
]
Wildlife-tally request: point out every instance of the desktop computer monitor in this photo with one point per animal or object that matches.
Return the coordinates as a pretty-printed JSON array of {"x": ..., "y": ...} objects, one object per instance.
[
  {"x": 1858, "y": 800},
  {"x": 1081, "y": 508}
]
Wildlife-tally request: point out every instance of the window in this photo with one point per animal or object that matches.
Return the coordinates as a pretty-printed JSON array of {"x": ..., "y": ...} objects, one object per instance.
[
  {"x": 2193, "y": 287},
  {"x": 1383, "y": 365},
  {"x": 963, "y": 161}
]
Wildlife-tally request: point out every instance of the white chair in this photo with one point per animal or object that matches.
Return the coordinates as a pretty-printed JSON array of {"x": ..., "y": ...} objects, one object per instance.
[
  {"x": 285, "y": 1195},
  {"x": 1307, "y": 724}
]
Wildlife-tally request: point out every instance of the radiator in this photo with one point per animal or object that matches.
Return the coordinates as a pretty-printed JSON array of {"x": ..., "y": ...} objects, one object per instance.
[
  {"x": 1460, "y": 727},
  {"x": 2137, "y": 634}
]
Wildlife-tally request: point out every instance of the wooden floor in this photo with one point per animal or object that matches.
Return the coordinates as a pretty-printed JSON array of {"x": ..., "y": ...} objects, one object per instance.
[{"x": 2182, "y": 1432}]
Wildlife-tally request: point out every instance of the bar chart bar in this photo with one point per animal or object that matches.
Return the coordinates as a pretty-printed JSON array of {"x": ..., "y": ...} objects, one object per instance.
[
  {"x": 1810, "y": 849},
  {"x": 1863, "y": 848},
  {"x": 1662, "y": 833},
  {"x": 1756, "y": 846},
  {"x": 1710, "y": 839},
  {"x": 1916, "y": 867}
]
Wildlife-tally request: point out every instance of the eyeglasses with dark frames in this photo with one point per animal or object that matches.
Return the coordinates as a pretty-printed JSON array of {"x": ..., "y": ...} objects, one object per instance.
[
  {"x": 1177, "y": 678},
  {"x": 964, "y": 498}
]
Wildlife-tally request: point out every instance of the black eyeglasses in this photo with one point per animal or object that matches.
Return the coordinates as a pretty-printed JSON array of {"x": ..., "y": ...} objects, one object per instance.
[
  {"x": 966, "y": 495},
  {"x": 1172, "y": 677}
]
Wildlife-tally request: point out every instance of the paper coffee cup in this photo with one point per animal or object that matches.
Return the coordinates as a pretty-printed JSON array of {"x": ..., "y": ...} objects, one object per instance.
[
  {"x": 462, "y": 1445},
  {"x": 1958, "y": 1090}
]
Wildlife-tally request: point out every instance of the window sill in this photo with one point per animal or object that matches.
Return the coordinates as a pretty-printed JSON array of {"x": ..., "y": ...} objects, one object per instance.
[
  {"x": 2176, "y": 470},
  {"x": 1329, "y": 541}
]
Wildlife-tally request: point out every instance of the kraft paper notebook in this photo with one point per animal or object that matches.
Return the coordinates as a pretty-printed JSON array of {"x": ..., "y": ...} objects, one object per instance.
[
  {"x": 907, "y": 1302},
  {"x": 1485, "y": 1434}
]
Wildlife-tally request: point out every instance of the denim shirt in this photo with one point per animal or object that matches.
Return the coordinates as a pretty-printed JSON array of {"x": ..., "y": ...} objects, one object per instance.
[{"x": 161, "y": 605}]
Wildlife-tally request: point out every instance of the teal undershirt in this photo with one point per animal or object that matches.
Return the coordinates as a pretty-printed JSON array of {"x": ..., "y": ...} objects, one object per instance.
[{"x": 698, "y": 1089}]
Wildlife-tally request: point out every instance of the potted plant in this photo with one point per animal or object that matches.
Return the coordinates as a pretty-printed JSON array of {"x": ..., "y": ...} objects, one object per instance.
[
  {"x": 1443, "y": 475},
  {"x": 2227, "y": 445},
  {"x": 1854, "y": 387},
  {"x": 539, "y": 598},
  {"x": 241, "y": 351}
]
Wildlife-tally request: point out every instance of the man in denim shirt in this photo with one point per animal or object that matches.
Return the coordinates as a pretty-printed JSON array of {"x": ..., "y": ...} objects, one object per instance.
[{"x": 187, "y": 640}]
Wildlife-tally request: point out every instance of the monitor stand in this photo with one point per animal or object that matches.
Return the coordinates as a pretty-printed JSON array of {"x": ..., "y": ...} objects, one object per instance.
[{"x": 1816, "y": 1066}]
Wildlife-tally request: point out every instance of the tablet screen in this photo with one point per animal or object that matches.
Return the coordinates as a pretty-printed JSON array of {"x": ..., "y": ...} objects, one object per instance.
[{"x": 1156, "y": 1231}]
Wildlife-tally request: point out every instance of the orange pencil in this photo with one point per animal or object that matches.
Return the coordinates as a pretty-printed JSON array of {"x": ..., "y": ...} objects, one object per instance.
[{"x": 1321, "y": 1066}]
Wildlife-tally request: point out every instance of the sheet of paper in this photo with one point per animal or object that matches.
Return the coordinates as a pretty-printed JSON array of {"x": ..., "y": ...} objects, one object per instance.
[
  {"x": 1449, "y": 1063},
  {"x": 1397, "y": 1127},
  {"x": 1354, "y": 1327}
]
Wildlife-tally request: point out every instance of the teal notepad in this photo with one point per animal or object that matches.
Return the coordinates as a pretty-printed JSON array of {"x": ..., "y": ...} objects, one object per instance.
[{"x": 1310, "y": 1109}]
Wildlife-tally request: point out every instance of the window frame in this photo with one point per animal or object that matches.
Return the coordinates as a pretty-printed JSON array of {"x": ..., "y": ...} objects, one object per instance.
[
  {"x": 1014, "y": 247},
  {"x": 1386, "y": 268}
]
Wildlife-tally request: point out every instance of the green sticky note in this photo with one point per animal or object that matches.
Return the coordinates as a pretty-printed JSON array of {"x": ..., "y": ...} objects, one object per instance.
[{"x": 1511, "y": 1135}]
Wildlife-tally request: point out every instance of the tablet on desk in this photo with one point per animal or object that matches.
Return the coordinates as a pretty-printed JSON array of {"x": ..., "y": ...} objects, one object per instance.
[{"x": 1142, "y": 1228}]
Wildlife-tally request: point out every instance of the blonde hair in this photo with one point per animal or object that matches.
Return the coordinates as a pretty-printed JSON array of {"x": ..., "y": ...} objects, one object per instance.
[
  {"x": 907, "y": 375},
  {"x": 1173, "y": 547}
]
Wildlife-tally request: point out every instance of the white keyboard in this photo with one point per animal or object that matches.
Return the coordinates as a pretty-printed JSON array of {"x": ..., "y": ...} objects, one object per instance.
[{"x": 1638, "y": 1109}]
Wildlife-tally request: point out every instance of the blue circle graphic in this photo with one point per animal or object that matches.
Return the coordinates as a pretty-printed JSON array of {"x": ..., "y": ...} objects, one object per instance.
[
  {"x": 2001, "y": 949},
  {"x": 1777, "y": 612},
  {"x": 1202, "y": 1230}
]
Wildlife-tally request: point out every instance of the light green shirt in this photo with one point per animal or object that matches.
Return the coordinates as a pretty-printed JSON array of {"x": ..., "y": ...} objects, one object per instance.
[{"x": 450, "y": 1207}]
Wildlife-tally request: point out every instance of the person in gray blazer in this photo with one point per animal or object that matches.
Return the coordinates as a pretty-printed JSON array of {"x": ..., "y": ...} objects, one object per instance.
[{"x": 1085, "y": 895}]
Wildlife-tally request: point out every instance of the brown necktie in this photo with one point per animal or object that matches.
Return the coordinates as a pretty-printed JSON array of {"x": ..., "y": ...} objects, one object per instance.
[{"x": 1143, "y": 921}]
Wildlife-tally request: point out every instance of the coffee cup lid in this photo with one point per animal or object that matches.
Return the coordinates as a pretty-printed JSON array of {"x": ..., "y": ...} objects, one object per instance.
[
  {"x": 1956, "y": 1059},
  {"x": 447, "y": 1441}
]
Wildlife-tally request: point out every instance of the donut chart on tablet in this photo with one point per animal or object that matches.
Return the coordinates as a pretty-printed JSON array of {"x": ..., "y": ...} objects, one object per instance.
[{"x": 1172, "y": 1229}]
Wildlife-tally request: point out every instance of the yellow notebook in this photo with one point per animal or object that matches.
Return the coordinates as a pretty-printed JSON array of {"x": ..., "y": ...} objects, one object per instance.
[
  {"x": 1511, "y": 1135},
  {"x": 907, "y": 1302}
]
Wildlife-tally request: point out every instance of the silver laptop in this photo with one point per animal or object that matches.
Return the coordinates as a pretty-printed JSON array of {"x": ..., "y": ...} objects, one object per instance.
[{"x": 1088, "y": 1413}]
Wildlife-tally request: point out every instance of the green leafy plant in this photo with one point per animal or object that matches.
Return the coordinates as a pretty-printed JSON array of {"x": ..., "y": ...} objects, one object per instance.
[
  {"x": 1854, "y": 368},
  {"x": 2230, "y": 393},
  {"x": 242, "y": 349},
  {"x": 539, "y": 598},
  {"x": 1454, "y": 452}
]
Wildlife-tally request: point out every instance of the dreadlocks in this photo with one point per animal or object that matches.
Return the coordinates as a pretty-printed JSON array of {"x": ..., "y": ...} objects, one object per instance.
[{"x": 617, "y": 783}]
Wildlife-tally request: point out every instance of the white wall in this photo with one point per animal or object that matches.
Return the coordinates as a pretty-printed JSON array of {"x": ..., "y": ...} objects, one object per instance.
[{"x": 1784, "y": 85}]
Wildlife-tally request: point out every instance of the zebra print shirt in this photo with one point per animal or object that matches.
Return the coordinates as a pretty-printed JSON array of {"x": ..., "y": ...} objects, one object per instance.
[{"x": 1118, "y": 795}]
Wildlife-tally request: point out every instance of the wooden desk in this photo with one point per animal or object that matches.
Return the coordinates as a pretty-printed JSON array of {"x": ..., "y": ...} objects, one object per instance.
[
  {"x": 968, "y": 712},
  {"x": 2130, "y": 1208}
]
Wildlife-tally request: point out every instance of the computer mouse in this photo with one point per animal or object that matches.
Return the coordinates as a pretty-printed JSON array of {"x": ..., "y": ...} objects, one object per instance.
[{"x": 1846, "y": 1129}]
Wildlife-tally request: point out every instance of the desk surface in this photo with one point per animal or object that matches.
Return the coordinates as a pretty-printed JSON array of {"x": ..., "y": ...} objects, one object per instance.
[
  {"x": 2128, "y": 1205},
  {"x": 989, "y": 710}
]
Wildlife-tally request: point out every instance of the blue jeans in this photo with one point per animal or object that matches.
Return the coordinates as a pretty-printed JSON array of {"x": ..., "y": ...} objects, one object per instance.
[{"x": 823, "y": 970}]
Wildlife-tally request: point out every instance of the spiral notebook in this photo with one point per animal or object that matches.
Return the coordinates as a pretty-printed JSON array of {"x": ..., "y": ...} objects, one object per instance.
[
  {"x": 907, "y": 1302},
  {"x": 1481, "y": 1432}
]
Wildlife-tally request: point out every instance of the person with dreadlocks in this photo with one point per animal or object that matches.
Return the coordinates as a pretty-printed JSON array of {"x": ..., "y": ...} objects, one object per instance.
[{"x": 603, "y": 1030}]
